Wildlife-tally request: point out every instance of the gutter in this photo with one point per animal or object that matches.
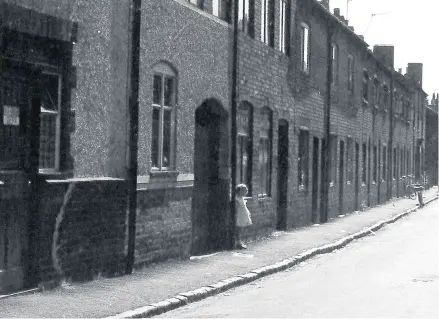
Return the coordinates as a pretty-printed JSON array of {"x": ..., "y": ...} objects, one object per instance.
[{"x": 133, "y": 109}]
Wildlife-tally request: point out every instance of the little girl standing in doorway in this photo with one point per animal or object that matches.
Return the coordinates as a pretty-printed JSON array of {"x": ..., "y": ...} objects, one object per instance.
[{"x": 243, "y": 216}]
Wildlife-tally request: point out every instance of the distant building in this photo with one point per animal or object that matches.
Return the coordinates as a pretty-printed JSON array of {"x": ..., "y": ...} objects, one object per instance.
[{"x": 431, "y": 141}]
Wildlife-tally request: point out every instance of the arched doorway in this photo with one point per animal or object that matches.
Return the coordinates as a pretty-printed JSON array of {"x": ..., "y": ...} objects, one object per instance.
[{"x": 210, "y": 201}]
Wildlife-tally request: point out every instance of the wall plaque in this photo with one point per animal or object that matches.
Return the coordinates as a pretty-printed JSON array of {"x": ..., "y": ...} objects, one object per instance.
[{"x": 11, "y": 115}]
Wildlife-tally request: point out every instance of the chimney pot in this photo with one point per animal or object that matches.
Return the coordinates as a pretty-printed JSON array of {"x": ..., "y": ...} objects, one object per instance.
[
  {"x": 337, "y": 12},
  {"x": 399, "y": 70}
]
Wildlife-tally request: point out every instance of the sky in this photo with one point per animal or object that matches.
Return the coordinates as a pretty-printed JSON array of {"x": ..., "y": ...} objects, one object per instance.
[{"x": 411, "y": 26}]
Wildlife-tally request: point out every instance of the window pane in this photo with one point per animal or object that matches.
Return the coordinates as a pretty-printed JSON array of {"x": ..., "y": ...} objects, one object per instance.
[
  {"x": 169, "y": 91},
  {"x": 157, "y": 92},
  {"x": 155, "y": 137},
  {"x": 305, "y": 48},
  {"x": 364, "y": 163},
  {"x": 167, "y": 116},
  {"x": 47, "y": 140},
  {"x": 48, "y": 120},
  {"x": 245, "y": 161},
  {"x": 264, "y": 21},
  {"x": 215, "y": 7},
  {"x": 239, "y": 159}
]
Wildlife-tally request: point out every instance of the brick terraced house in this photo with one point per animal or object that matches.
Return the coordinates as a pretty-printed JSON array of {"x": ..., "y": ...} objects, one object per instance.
[{"x": 94, "y": 180}]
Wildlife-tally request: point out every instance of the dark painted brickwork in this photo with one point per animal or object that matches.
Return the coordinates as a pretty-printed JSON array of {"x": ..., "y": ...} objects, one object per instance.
[{"x": 92, "y": 233}]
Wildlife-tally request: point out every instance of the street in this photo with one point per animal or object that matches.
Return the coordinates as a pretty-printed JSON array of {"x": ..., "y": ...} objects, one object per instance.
[{"x": 392, "y": 273}]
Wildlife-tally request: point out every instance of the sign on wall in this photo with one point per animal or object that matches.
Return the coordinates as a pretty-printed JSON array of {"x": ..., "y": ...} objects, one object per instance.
[{"x": 11, "y": 115}]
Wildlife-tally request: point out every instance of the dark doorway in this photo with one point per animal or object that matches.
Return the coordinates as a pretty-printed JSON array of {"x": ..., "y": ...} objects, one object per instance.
[
  {"x": 210, "y": 195},
  {"x": 369, "y": 179},
  {"x": 315, "y": 178},
  {"x": 341, "y": 180},
  {"x": 282, "y": 176},
  {"x": 323, "y": 206},
  {"x": 357, "y": 176},
  {"x": 379, "y": 173}
]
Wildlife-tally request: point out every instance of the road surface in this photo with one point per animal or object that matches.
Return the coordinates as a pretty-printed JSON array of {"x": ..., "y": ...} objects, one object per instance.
[{"x": 393, "y": 273}]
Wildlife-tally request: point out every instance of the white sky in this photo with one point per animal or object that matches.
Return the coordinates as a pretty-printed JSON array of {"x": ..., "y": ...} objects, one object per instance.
[{"x": 411, "y": 26}]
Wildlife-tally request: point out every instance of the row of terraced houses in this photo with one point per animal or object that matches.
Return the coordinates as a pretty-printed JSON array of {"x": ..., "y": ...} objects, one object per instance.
[{"x": 116, "y": 131}]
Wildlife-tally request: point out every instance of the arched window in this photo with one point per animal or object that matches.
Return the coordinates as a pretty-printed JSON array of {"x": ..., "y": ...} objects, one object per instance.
[
  {"x": 163, "y": 117},
  {"x": 265, "y": 152},
  {"x": 244, "y": 145}
]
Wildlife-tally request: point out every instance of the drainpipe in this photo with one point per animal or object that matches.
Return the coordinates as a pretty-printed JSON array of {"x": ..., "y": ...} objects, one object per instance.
[
  {"x": 133, "y": 131},
  {"x": 390, "y": 148},
  {"x": 327, "y": 125},
  {"x": 233, "y": 120}
]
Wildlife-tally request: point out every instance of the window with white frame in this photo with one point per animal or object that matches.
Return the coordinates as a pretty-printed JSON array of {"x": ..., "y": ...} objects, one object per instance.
[
  {"x": 163, "y": 117},
  {"x": 246, "y": 16},
  {"x": 350, "y": 73},
  {"x": 365, "y": 86},
  {"x": 245, "y": 145},
  {"x": 265, "y": 152},
  {"x": 50, "y": 122},
  {"x": 303, "y": 159},
  {"x": 304, "y": 47},
  {"x": 334, "y": 55},
  {"x": 283, "y": 27},
  {"x": 267, "y": 22}
]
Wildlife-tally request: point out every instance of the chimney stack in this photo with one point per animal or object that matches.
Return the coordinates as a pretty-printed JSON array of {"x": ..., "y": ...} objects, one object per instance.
[
  {"x": 325, "y": 3},
  {"x": 414, "y": 72},
  {"x": 385, "y": 54},
  {"x": 400, "y": 70},
  {"x": 337, "y": 12}
]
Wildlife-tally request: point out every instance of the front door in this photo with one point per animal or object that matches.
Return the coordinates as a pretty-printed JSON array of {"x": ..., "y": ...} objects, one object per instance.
[
  {"x": 323, "y": 206},
  {"x": 210, "y": 195},
  {"x": 14, "y": 177},
  {"x": 315, "y": 178},
  {"x": 357, "y": 176},
  {"x": 282, "y": 176},
  {"x": 341, "y": 179}
]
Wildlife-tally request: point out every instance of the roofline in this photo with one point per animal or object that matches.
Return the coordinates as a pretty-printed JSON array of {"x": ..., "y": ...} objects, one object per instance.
[{"x": 387, "y": 69}]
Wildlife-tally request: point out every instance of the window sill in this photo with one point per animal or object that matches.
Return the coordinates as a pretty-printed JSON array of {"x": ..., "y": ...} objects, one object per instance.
[
  {"x": 303, "y": 188},
  {"x": 168, "y": 173},
  {"x": 348, "y": 182},
  {"x": 331, "y": 184},
  {"x": 263, "y": 197},
  {"x": 374, "y": 183},
  {"x": 363, "y": 184}
]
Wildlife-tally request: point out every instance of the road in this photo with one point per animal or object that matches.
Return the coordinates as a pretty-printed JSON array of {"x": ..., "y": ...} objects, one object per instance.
[{"x": 393, "y": 273}]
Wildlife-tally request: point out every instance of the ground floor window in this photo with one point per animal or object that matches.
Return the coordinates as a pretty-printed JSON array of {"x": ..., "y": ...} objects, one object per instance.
[
  {"x": 244, "y": 145},
  {"x": 364, "y": 175},
  {"x": 303, "y": 159},
  {"x": 375, "y": 165},
  {"x": 384, "y": 162},
  {"x": 265, "y": 152}
]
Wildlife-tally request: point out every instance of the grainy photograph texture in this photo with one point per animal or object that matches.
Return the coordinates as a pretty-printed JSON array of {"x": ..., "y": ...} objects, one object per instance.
[{"x": 277, "y": 158}]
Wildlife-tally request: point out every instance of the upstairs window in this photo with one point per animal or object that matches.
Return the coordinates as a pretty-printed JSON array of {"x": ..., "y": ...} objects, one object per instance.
[
  {"x": 283, "y": 27},
  {"x": 365, "y": 86},
  {"x": 334, "y": 55},
  {"x": 351, "y": 73},
  {"x": 163, "y": 117},
  {"x": 246, "y": 17},
  {"x": 267, "y": 22},
  {"x": 265, "y": 152},
  {"x": 304, "y": 46},
  {"x": 222, "y": 9},
  {"x": 303, "y": 159}
]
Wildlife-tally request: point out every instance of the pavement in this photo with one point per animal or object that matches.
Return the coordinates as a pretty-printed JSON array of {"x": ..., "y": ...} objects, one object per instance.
[{"x": 166, "y": 286}]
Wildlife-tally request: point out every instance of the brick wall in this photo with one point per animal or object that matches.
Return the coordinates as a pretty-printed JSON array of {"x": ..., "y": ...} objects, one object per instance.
[
  {"x": 164, "y": 224},
  {"x": 92, "y": 233}
]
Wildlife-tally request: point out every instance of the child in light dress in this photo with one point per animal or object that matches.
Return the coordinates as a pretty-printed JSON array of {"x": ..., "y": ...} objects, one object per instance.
[{"x": 243, "y": 216}]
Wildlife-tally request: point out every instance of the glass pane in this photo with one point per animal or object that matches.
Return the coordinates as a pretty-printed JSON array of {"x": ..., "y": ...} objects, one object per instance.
[
  {"x": 169, "y": 91},
  {"x": 245, "y": 161},
  {"x": 157, "y": 89},
  {"x": 47, "y": 140},
  {"x": 239, "y": 159},
  {"x": 50, "y": 83},
  {"x": 155, "y": 137},
  {"x": 167, "y": 125},
  {"x": 215, "y": 7}
]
